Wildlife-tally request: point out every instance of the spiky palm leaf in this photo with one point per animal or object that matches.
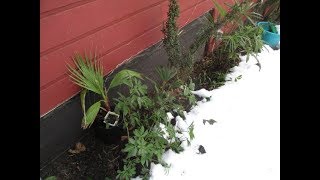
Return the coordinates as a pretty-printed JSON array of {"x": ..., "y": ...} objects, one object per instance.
[{"x": 88, "y": 74}]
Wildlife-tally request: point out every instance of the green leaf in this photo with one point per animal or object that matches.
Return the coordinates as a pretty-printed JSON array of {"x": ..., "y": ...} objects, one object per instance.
[
  {"x": 133, "y": 152},
  {"x": 51, "y": 178},
  {"x": 131, "y": 141},
  {"x": 139, "y": 102},
  {"x": 91, "y": 114},
  {"x": 141, "y": 130},
  {"x": 128, "y": 148},
  {"x": 122, "y": 77},
  {"x": 220, "y": 9},
  {"x": 191, "y": 128},
  {"x": 145, "y": 134},
  {"x": 143, "y": 160},
  {"x": 136, "y": 132},
  {"x": 125, "y": 110}
]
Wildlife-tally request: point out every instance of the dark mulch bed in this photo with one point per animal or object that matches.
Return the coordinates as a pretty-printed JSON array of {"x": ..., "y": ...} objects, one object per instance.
[
  {"x": 209, "y": 72},
  {"x": 97, "y": 162}
]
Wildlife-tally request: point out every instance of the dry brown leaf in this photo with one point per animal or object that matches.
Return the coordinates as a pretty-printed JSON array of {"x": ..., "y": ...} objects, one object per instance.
[
  {"x": 79, "y": 147},
  {"x": 124, "y": 138}
]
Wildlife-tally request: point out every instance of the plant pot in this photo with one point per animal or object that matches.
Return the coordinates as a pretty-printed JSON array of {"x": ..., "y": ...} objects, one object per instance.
[
  {"x": 270, "y": 38},
  {"x": 110, "y": 135}
]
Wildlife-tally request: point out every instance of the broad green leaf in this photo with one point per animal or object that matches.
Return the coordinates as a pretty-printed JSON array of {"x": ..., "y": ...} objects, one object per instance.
[
  {"x": 91, "y": 114},
  {"x": 139, "y": 102},
  {"x": 136, "y": 132},
  {"x": 220, "y": 9},
  {"x": 131, "y": 141},
  {"x": 145, "y": 134},
  {"x": 125, "y": 110},
  {"x": 128, "y": 148},
  {"x": 122, "y": 77},
  {"x": 143, "y": 160},
  {"x": 132, "y": 153},
  {"x": 141, "y": 130}
]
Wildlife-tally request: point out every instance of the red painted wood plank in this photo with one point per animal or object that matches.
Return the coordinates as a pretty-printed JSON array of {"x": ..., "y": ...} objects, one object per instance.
[
  {"x": 194, "y": 11},
  {"x": 69, "y": 24},
  {"x": 47, "y": 5},
  {"x": 76, "y": 23},
  {"x": 184, "y": 5},
  {"x": 53, "y": 64},
  {"x": 63, "y": 89}
]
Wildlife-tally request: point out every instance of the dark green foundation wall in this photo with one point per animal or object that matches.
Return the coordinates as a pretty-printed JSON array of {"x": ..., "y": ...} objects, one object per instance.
[{"x": 61, "y": 128}]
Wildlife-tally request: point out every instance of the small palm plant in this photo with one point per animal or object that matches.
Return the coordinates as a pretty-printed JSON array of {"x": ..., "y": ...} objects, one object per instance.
[{"x": 88, "y": 74}]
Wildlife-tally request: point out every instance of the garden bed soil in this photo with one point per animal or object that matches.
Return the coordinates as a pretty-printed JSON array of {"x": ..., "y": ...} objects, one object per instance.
[
  {"x": 98, "y": 161},
  {"x": 101, "y": 158}
]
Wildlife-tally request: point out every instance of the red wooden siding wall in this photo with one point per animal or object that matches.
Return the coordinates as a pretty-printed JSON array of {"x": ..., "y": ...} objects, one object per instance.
[{"x": 115, "y": 29}]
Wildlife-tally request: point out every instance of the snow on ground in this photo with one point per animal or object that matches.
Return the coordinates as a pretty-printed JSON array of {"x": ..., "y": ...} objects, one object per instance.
[{"x": 244, "y": 143}]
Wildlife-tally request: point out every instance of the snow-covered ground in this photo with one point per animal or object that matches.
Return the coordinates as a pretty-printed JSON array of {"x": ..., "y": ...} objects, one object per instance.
[{"x": 244, "y": 143}]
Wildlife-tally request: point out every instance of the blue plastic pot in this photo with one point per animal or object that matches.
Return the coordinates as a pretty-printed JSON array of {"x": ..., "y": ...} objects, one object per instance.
[{"x": 270, "y": 38}]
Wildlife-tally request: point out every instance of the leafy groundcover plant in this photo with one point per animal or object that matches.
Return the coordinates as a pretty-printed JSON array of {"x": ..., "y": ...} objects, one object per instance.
[{"x": 150, "y": 131}]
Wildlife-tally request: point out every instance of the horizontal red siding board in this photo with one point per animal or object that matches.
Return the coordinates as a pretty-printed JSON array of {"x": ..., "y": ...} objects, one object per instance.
[
  {"x": 116, "y": 48},
  {"x": 184, "y": 5},
  {"x": 47, "y": 5},
  {"x": 69, "y": 24},
  {"x": 53, "y": 64},
  {"x": 75, "y": 23},
  {"x": 194, "y": 12}
]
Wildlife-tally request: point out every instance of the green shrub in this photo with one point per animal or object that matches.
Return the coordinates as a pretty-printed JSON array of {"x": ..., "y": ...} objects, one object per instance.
[
  {"x": 270, "y": 9},
  {"x": 238, "y": 11},
  {"x": 246, "y": 40},
  {"x": 171, "y": 35},
  {"x": 144, "y": 113}
]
